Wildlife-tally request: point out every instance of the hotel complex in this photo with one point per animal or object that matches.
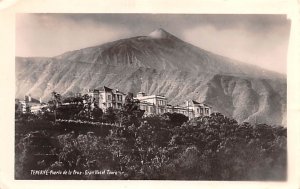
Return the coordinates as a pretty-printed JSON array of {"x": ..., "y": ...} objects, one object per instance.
[
  {"x": 113, "y": 98},
  {"x": 152, "y": 104}
]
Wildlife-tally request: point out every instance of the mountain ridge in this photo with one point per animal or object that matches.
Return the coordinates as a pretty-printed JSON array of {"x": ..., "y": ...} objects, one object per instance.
[
  {"x": 165, "y": 64},
  {"x": 66, "y": 55},
  {"x": 105, "y": 46}
]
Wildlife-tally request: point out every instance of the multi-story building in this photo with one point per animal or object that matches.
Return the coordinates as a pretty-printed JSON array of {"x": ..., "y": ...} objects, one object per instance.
[
  {"x": 198, "y": 109},
  {"x": 148, "y": 107},
  {"x": 183, "y": 110},
  {"x": 153, "y": 104},
  {"x": 107, "y": 98},
  {"x": 94, "y": 94},
  {"x": 29, "y": 104},
  {"x": 157, "y": 104}
]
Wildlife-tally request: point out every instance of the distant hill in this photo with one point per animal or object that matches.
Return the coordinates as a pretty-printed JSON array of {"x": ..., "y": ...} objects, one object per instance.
[{"x": 160, "y": 63}]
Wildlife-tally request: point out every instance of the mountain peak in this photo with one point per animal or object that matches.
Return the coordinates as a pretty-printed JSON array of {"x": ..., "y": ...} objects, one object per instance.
[{"x": 159, "y": 33}]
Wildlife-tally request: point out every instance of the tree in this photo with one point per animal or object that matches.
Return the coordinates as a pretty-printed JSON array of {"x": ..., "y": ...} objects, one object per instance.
[
  {"x": 56, "y": 100},
  {"x": 97, "y": 113},
  {"x": 110, "y": 115},
  {"x": 176, "y": 119},
  {"x": 88, "y": 109},
  {"x": 28, "y": 110},
  {"x": 130, "y": 112}
]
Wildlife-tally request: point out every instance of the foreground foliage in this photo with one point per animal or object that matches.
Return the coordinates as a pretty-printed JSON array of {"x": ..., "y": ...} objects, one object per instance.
[{"x": 158, "y": 147}]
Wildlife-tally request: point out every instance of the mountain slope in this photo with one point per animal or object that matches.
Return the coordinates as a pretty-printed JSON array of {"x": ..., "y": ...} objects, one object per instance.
[
  {"x": 161, "y": 50},
  {"x": 160, "y": 63}
]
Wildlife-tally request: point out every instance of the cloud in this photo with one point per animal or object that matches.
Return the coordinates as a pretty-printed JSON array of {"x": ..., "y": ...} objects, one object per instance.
[
  {"x": 46, "y": 35},
  {"x": 256, "y": 39},
  {"x": 267, "y": 49}
]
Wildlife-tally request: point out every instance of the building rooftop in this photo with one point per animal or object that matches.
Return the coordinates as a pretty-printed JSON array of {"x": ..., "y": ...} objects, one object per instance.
[
  {"x": 195, "y": 102},
  {"x": 93, "y": 90},
  {"x": 106, "y": 89}
]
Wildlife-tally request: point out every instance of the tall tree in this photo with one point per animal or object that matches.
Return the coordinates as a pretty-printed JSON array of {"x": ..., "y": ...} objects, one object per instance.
[
  {"x": 56, "y": 97},
  {"x": 130, "y": 112}
]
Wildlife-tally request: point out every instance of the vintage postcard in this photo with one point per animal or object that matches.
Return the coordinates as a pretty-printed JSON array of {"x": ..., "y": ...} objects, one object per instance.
[{"x": 165, "y": 96}]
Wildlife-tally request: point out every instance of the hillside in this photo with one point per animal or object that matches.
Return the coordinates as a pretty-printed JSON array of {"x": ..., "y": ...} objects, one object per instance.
[{"x": 160, "y": 63}]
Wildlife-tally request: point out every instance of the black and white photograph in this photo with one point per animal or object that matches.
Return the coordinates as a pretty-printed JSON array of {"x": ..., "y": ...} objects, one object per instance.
[{"x": 151, "y": 96}]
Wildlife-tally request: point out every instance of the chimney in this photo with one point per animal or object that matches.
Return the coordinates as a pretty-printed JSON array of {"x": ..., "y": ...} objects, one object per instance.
[
  {"x": 29, "y": 98},
  {"x": 41, "y": 100}
]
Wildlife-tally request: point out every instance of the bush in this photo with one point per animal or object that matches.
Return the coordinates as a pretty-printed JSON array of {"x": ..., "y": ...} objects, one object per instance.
[
  {"x": 157, "y": 147},
  {"x": 176, "y": 119}
]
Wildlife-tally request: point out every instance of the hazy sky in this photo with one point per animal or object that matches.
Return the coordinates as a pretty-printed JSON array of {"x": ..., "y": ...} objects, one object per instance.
[{"x": 255, "y": 39}]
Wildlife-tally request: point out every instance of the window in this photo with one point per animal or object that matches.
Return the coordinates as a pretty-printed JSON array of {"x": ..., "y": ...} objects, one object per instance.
[
  {"x": 151, "y": 109},
  {"x": 119, "y": 97},
  {"x": 108, "y": 97},
  {"x": 161, "y": 102},
  {"x": 198, "y": 111},
  {"x": 207, "y": 111}
]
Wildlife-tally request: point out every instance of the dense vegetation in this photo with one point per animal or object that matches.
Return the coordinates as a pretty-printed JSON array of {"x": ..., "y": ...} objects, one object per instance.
[{"x": 164, "y": 146}]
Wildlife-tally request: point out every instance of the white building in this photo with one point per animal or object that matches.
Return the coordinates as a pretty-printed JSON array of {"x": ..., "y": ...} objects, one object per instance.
[
  {"x": 197, "y": 109},
  {"x": 157, "y": 104},
  {"x": 30, "y": 104},
  {"x": 153, "y": 104},
  {"x": 183, "y": 110},
  {"x": 107, "y": 98}
]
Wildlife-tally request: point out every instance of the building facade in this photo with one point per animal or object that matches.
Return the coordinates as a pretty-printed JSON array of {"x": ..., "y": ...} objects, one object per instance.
[
  {"x": 29, "y": 104},
  {"x": 198, "y": 109},
  {"x": 107, "y": 98},
  {"x": 113, "y": 98},
  {"x": 157, "y": 104},
  {"x": 153, "y": 104}
]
